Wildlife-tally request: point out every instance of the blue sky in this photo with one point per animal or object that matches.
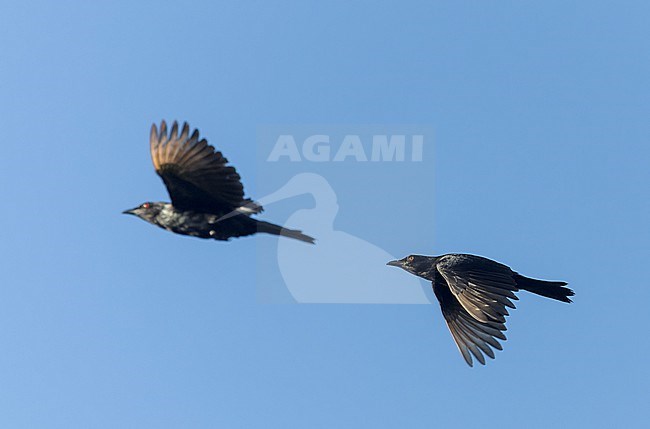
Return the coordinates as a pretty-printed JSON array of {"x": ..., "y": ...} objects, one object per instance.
[{"x": 539, "y": 160}]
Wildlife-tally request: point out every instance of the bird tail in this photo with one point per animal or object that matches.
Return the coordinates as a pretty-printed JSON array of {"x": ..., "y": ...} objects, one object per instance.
[
  {"x": 554, "y": 290},
  {"x": 271, "y": 228}
]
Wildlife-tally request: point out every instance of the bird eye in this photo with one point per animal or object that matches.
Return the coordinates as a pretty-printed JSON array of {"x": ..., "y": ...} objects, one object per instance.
[
  {"x": 146, "y": 205},
  {"x": 410, "y": 259}
]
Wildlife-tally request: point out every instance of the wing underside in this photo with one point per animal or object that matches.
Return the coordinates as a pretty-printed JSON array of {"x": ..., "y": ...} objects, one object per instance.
[{"x": 476, "y": 315}]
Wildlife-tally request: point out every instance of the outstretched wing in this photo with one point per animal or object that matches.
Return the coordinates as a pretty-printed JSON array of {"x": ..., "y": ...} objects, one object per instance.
[
  {"x": 483, "y": 287},
  {"x": 471, "y": 336},
  {"x": 196, "y": 176}
]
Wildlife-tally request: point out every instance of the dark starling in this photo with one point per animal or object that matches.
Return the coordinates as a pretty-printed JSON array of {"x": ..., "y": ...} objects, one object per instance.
[
  {"x": 473, "y": 293},
  {"x": 203, "y": 189}
]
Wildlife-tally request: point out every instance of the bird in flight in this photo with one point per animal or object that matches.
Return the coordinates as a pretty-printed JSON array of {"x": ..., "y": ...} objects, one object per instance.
[
  {"x": 207, "y": 196},
  {"x": 473, "y": 293}
]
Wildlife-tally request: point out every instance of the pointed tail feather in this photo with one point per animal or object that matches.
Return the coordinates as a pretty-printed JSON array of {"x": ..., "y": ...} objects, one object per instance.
[
  {"x": 271, "y": 228},
  {"x": 554, "y": 290}
]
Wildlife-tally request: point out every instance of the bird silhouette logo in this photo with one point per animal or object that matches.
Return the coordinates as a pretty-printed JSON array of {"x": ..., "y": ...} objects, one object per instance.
[{"x": 342, "y": 268}]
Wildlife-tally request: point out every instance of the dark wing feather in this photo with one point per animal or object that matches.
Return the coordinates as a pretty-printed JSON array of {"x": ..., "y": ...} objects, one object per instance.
[
  {"x": 196, "y": 176},
  {"x": 473, "y": 338},
  {"x": 482, "y": 286}
]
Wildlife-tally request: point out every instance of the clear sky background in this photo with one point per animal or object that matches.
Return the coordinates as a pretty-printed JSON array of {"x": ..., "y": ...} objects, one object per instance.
[{"x": 541, "y": 119}]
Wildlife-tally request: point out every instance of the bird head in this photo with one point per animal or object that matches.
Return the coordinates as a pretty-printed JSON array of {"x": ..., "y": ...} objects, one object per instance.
[
  {"x": 415, "y": 264},
  {"x": 146, "y": 211}
]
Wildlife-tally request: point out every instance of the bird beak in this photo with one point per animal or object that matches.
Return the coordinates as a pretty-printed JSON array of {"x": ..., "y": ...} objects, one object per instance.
[
  {"x": 131, "y": 212},
  {"x": 396, "y": 263}
]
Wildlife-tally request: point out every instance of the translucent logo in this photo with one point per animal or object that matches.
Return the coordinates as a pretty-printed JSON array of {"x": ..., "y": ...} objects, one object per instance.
[{"x": 313, "y": 177}]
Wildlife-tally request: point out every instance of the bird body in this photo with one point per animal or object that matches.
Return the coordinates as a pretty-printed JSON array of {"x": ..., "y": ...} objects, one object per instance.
[
  {"x": 474, "y": 293},
  {"x": 207, "y": 194},
  {"x": 195, "y": 224}
]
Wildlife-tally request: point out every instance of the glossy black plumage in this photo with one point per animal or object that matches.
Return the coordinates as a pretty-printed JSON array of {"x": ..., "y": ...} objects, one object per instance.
[
  {"x": 474, "y": 294},
  {"x": 203, "y": 189}
]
